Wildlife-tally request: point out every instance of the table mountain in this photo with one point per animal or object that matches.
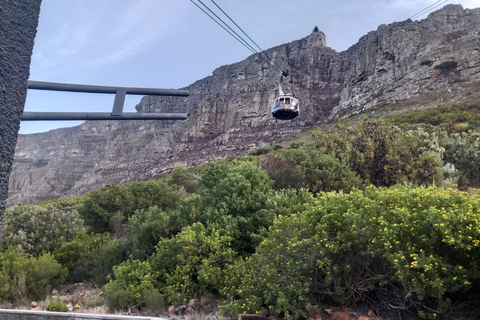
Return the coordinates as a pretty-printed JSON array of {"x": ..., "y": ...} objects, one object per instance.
[{"x": 430, "y": 62}]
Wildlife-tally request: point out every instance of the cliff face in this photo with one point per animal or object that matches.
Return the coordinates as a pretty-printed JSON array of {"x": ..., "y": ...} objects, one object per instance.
[{"x": 229, "y": 111}]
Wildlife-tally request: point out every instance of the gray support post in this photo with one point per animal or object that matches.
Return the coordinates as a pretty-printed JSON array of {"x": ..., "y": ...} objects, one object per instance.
[
  {"x": 118, "y": 102},
  {"x": 18, "y": 27}
]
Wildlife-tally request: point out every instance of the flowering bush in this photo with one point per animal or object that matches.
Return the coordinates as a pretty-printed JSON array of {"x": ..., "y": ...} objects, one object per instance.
[{"x": 409, "y": 247}]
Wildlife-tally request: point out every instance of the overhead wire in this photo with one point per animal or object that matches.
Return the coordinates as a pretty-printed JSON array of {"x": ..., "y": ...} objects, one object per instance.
[
  {"x": 428, "y": 9},
  {"x": 224, "y": 28},
  {"x": 261, "y": 50},
  {"x": 234, "y": 34}
]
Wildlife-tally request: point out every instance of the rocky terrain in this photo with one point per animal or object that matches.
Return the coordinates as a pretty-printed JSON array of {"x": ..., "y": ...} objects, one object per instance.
[{"x": 229, "y": 111}]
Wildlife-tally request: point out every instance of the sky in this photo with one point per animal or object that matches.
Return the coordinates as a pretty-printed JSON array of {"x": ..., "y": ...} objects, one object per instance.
[{"x": 171, "y": 43}]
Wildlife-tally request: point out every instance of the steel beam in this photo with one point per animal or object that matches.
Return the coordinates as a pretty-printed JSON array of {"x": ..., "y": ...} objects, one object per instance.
[
  {"x": 55, "y": 86},
  {"x": 67, "y": 116}
]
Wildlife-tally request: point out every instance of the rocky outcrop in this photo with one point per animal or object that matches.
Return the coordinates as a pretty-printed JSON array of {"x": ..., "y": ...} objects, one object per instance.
[{"x": 229, "y": 111}]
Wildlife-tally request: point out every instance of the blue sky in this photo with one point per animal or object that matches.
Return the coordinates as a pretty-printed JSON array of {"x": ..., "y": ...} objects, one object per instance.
[{"x": 171, "y": 43}]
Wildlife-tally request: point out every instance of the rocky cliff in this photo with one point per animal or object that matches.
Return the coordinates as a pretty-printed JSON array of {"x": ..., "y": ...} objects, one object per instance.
[{"x": 229, "y": 111}]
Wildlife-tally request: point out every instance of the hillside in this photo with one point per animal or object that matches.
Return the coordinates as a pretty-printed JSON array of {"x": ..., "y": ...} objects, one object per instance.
[
  {"x": 356, "y": 219},
  {"x": 393, "y": 68}
]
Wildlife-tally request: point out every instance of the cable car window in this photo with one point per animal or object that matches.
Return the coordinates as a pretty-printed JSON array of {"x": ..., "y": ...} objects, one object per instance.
[{"x": 287, "y": 100}]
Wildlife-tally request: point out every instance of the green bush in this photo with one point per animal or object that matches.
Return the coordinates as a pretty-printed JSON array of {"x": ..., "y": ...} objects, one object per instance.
[
  {"x": 447, "y": 66},
  {"x": 130, "y": 280},
  {"x": 108, "y": 208},
  {"x": 43, "y": 273},
  {"x": 426, "y": 63},
  {"x": 56, "y": 305},
  {"x": 381, "y": 153},
  {"x": 146, "y": 227},
  {"x": 233, "y": 193},
  {"x": 26, "y": 277},
  {"x": 40, "y": 228},
  {"x": 183, "y": 177},
  {"x": 192, "y": 263},
  {"x": 311, "y": 168},
  {"x": 400, "y": 248}
]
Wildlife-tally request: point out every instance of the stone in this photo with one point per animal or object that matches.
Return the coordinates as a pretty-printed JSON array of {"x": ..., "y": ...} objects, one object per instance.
[
  {"x": 54, "y": 292},
  {"x": 265, "y": 312},
  {"x": 171, "y": 309},
  {"x": 194, "y": 303},
  {"x": 340, "y": 315},
  {"x": 33, "y": 304},
  {"x": 229, "y": 111},
  {"x": 314, "y": 314},
  {"x": 181, "y": 310}
]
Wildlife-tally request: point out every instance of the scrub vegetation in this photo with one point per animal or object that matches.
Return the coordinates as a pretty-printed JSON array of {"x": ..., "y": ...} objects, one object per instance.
[{"x": 383, "y": 215}]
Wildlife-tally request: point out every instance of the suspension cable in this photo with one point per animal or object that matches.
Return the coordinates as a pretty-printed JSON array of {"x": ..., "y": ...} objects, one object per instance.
[
  {"x": 428, "y": 9},
  {"x": 261, "y": 50},
  {"x": 234, "y": 34},
  {"x": 238, "y": 39}
]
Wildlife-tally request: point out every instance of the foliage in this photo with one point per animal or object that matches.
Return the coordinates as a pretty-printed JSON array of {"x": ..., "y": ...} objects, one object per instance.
[
  {"x": 40, "y": 228},
  {"x": 233, "y": 194},
  {"x": 108, "y": 208},
  {"x": 90, "y": 257},
  {"x": 183, "y": 177},
  {"x": 381, "y": 153},
  {"x": 130, "y": 280},
  {"x": 43, "y": 273},
  {"x": 192, "y": 263},
  {"x": 145, "y": 228},
  {"x": 56, "y": 305},
  {"x": 23, "y": 277},
  {"x": 447, "y": 66},
  {"x": 447, "y": 117},
  {"x": 70, "y": 253},
  {"x": 311, "y": 168},
  {"x": 406, "y": 248},
  {"x": 463, "y": 151},
  {"x": 426, "y": 63}
]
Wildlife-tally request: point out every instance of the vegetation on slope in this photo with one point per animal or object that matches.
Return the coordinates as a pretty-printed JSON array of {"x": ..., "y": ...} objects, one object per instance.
[{"x": 363, "y": 216}]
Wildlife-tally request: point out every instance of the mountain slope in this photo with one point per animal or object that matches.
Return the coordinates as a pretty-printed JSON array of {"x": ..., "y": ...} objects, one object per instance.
[{"x": 229, "y": 111}]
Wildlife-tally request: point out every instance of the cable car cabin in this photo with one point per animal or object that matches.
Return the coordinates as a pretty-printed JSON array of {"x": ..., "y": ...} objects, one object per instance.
[{"x": 285, "y": 107}]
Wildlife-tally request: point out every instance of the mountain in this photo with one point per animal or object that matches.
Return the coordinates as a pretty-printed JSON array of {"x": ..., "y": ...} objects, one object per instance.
[{"x": 411, "y": 63}]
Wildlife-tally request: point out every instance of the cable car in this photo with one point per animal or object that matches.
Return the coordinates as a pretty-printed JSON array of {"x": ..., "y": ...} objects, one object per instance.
[{"x": 285, "y": 106}]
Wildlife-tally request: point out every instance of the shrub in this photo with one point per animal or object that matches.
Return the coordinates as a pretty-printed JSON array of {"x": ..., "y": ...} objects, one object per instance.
[
  {"x": 26, "y": 277},
  {"x": 192, "y": 263},
  {"x": 402, "y": 248},
  {"x": 41, "y": 228},
  {"x": 146, "y": 227},
  {"x": 311, "y": 168},
  {"x": 426, "y": 63},
  {"x": 183, "y": 177},
  {"x": 447, "y": 66},
  {"x": 108, "y": 208},
  {"x": 56, "y": 305},
  {"x": 43, "y": 273},
  {"x": 130, "y": 280},
  {"x": 233, "y": 194}
]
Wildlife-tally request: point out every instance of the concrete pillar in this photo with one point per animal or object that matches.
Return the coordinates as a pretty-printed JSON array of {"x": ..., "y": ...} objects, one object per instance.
[{"x": 18, "y": 26}]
